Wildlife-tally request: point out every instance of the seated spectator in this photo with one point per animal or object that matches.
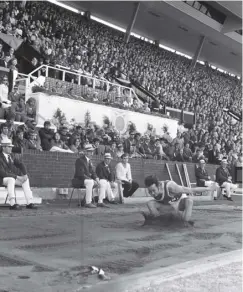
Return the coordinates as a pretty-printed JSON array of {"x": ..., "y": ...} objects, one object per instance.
[
  {"x": 159, "y": 152},
  {"x": 224, "y": 179},
  {"x": 179, "y": 156},
  {"x": 187, "y": 153},
  {"x": 32, "y": 142},
  {"x": 31, "y": 109},
  {"x": 120, "y": 151},
  {"x": 108, "y": 186},
  {"x": 5, "y": 133},
  {"x": 12, "y": 173},
  {"x": 203, "y": 179},
  {"x": 64, "y": 135},
  {"x": 123, "y": 173},
  {"x": 134, "y": 153},
  {"x": 46, "y": 136},
  {"x": 76, "y": 146},
  {"x": 20, "y": 110},
  {"x": 197, "y": 156},
  {"x": 85, "y": 176},
  {"x": 57, "y": 143},
  {"x": 146, "y": 108},
  {"x": 19, "y": 142},
  {"x": 213, "y": 155},
  {"x": 98, "y": 149},
  {"x": 129, "y": 142},
  {"x": 112, "y": 149},
  {"x": 146, "y": 148}
]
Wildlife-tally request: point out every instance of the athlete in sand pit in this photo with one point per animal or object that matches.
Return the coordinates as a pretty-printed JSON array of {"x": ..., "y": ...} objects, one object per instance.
[{"x": 169, "y": 196}]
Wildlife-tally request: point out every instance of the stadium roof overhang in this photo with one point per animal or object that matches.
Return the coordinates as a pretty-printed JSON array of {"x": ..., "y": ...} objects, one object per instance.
[{"x": 179, "y": 26}]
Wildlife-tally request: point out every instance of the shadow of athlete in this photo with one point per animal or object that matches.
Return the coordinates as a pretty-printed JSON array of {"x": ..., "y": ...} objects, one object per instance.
[{"x": 169, "y": 197}]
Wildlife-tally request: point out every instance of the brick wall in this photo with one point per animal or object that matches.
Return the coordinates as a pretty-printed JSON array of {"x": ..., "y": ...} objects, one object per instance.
[{"x": 55, "y": 169}]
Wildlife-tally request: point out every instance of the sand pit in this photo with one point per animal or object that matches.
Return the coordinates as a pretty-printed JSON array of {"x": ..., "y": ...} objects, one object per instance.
[{"x": 57, "y": 246}]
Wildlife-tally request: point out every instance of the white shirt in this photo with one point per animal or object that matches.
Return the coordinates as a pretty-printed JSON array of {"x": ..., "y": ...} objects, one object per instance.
[
  {"x": 123, "y": 173},
  {"x": 3, "y": 92},
  {"x": 7, "y": 156}
]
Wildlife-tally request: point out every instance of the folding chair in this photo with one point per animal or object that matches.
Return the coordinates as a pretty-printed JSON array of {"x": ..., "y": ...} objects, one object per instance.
[{"x": 80, "y": 202}]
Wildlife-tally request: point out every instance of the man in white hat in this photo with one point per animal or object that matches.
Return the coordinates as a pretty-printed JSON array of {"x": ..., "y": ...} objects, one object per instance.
[
  {"x": 85, "y": 175},
  {"x": 108, "y": 186},
  {"x": 13, "y": 172},
  {"x": 224, "y": 179},
  {"x": 203, "y": 179}
]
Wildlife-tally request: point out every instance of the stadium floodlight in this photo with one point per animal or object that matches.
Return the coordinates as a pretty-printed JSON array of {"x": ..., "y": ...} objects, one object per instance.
[
  {"x": 64, "y": 6},
  {"x": 167, "y": 48}
]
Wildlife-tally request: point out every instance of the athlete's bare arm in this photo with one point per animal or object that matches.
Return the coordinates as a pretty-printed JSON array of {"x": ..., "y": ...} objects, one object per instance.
[{"x": 177, "y": 189}]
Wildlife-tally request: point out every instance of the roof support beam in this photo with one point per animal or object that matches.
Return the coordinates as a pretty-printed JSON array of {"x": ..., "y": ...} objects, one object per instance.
[
  {"x": 198, "y": 51},
  {"x": 231, "y": 24},
  {"x": 132, "y": 22}
]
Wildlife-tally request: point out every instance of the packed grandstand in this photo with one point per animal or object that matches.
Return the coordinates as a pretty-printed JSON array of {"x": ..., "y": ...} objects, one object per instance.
[{"x": 94, "y": 50}]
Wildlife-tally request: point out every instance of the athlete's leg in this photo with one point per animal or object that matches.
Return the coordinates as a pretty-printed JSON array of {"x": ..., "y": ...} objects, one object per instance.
[{"x": 177, "y": 189}]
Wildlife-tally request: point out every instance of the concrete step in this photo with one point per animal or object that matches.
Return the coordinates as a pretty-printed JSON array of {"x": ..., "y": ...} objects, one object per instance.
[{"x": 20, "y": 197}]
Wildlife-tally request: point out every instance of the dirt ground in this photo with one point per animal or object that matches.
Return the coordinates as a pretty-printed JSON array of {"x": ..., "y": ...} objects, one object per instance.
[{"x": 51, "y": 249}]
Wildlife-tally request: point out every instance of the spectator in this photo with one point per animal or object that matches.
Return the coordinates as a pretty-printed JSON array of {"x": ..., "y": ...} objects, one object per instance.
[
  {"x": 56, "y": 143},
  {"x": 85, "y": 176},
  {"x": 13, "y": 172},
  {"x": 108, "y": 186},
  {"x": 129, "y": 142},
  {"x": 76, "y": 146},
  {"x": 187, "y": 153},
  {"x": 5, "y": 133},
  {"x": 32, "y": 141},
  {"x": 224, "y": 179},
  {"x": 146, "y": 148},
  {"x": 46, "y": 136},
  {"x": 19, "y": 142},
  {"x": 120, "y": 151},
  {"x": 159, "y": 152},
  {"x": 4, "y": 90},
  {"x": 123, "y": 173},
  {"x": 203, "y": 179}
]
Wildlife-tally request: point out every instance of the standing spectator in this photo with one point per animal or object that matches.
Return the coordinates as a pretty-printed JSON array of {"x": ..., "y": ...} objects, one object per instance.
[
  {"x": 4, "y": 90},
  {"x": 123, "y": 173},
  {"x": 85, "y": 175},
  {"x": 12, "y": 75},
  {"x": 108, "y": 186},
  {"x": 46, "y": 135}
]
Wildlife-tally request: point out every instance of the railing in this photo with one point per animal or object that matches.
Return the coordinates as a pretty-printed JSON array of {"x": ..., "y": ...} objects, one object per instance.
[{"x": 94, "y": 82}]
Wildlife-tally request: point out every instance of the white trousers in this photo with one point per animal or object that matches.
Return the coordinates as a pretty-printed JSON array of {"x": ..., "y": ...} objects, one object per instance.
[
  {"x": 88, "y": 183},
  {"x": 208, "y": 183},
  {"x": 229, "y": 188},
  {"x": 10, "y": 183},
  {"x": 106, "y": 190}
]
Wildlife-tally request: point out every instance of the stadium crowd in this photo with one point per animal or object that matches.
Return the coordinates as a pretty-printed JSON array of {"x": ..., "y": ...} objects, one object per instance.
[{"x": 67, "y": 39}]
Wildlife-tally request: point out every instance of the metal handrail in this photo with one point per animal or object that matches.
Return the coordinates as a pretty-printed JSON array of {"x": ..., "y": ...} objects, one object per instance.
[{"x": 47, "y": 67}]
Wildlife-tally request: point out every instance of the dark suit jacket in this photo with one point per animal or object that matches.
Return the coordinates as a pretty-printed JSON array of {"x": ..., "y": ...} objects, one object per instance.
[
  {"x": 201, "y": 176},
  {"x": 127, "y": 146},
  {"x": 17, "y": 168},
  {"x": 83, "y": 170},
  {"x": 2, "y": 64},
  {"x": 105, "y": 172},
  {"x": 222, "y": 175}
]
